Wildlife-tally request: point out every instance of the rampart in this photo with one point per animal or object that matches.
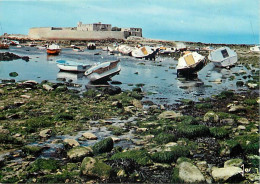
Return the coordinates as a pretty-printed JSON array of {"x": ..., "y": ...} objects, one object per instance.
[{"x": 48, "y": 33}]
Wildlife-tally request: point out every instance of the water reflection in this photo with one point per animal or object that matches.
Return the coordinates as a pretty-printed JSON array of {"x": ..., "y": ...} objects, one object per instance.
[{"x": 70, "y": 75}]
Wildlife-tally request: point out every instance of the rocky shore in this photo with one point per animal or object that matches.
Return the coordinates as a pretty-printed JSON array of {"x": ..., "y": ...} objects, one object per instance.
[{"x": 52, "y": 134}]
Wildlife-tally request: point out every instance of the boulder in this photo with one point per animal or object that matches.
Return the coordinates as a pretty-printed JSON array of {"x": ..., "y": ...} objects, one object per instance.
[
  {"x": 92, "y": 167},
  {"x": 103, "y": 146},
  {"x": 169, "y": 115},
  {"x": 189, "y": 173},
  {"x": 211, "y": 116},
  {"x": 4, "y": 131},
  {"x": 89, "y": 136},
  {"x": 71, "y": 142},
  {"x": 227, "y": 174},
  {"x": 252, "y": 85},
  {"x": 112, "y": 90},
  {"x": 237, "y": 108},
  {"x": 78, "y": 153},
  {"x": 137, "y": 104},
  {"x": 45, "y": 133}
]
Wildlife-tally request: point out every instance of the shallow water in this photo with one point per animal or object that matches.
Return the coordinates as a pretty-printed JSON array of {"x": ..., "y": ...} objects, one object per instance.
[{"x": 161, "y": 83}]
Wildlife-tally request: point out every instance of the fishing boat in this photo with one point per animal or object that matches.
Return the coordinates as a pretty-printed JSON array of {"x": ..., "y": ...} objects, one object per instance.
[
  {"x": 125, "y": 49},
  {"x": 223, "y": 57},
  {"x": 72, "y": 66},
  {"x": 14, "y": 43},
  {"x": 190, "y": 63},
  {"x": 32, "y": 44},
  {"x": 53, "y": 49},
  {"x": 91, "y": 46},
  {"x": 103, "y": 72},
  {"x": 144, "y": 52},
  {"x": 255, "y": 48}
]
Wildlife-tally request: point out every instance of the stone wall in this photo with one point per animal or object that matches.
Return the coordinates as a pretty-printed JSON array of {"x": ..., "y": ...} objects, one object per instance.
[{"x": 67, "y": 34}]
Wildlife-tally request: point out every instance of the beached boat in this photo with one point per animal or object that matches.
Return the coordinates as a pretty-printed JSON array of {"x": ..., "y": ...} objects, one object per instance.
[
  {"x": 77, "y": 49},
  {"x": 223, "y": 57},
  {"x": 255, "y": 48},
  {"x": 14, "y": 43},
  {"x": 91, "y": 46},
  {"x": 190, "y": 63},
  {"x": 144, "y": 52},
  {"x": 103, "y": 72},
  {"x": 53, "y": 49},
  {"x": 125, "y": 49},
  {"x": 167, "y": 50},
  {"x": 72, "y": 66}
]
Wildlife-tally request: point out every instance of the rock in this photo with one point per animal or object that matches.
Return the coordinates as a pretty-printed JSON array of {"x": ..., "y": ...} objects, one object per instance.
[
  {"x": 112, "y": 90},
  {"x": 137, "y": 104},
  {"x": 121, "y": 173},
  {"x": 142, "y": 129},
  {"x": 169, "y": 115},
  {"x": 117, "y": 104},
  {"x": 227, "y": 174},
  {"x": 202, "y": 166},
  {"x": 217, "y": 81},
  {"x": 71, "y": 142},
  {"x": 128, "y": 109},
  {"x": 241, "y": 127},
  {"x": 78, "y": 153},
  {"x": 25, "y": 96},
  {"x": 92, "y": 167},
  {"x": 4, "y": 131},
  {"x": 243, "y": 121},
  {"x": 47, "y": 87},
  {"x": 237, "y": 108},
  {"x": 2, "y": 91},
  {"x": 252, "y": 85},
  {"x": 189, "y": 173},
  {"x": 45, "y": 133},
  {"x": 13, "y": 74},
  {"x": 211, "y": 116},
  {"x": 116, "y": 139},
  {"x": 234, "y": 162},
  {"x": 103, "y": 146},
  {"x": 227, "y": 121},
  {"x": 89, "y": 136}
]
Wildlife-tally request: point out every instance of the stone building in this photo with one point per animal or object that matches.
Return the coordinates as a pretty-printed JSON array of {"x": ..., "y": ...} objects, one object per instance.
[{"x": 93, "y": 27}]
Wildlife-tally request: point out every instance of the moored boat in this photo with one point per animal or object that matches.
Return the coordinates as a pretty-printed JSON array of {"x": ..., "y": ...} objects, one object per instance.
[
  {"x": 91, "y": 46},
  {"x": 255, "y": 48},
  {"x": 72, "y": 66},
  {"x": 144, "y": 52},
  {"x": 103, "y": 72},
  {"x": 125, "y": 49},
  {"x": 53, "y": 49},
  {"x": 190, "y": 63},
  {"x": 77, "y": 49},
  {"x": 223, "y": 57}
]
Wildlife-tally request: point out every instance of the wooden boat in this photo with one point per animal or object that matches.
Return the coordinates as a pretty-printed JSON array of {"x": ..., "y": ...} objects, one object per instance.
[
  {"x": 103, "y": 72},
  {"x": 144, "y": 52},
  {"x": 223, "y": 57},
  {"x": 72, "y": 66},
  {"x": 125, "y": 49},
  {"x": 255, "y": 48},
  {"x": 14, "y": 43},
  {"x": 91, "y": 46},
  {"x": 53, "y": 49},
  {"x": 190, "y": 63},
  {"x": 33, "y": 44}
]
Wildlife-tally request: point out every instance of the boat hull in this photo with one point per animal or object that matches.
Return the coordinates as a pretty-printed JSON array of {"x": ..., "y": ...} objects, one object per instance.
[
  {"x": 104, "y": 77},
  {"x": 190, "y": 71},
  {"x": 53, "y": 51},
  {"x": 78, "y": 68},
  {"x": 226, "y": 62}
]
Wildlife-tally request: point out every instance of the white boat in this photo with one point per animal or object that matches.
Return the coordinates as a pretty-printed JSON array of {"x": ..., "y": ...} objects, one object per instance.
[
  {"x": 190, "y": 63},
  {"x": 125, "y": 49},
  {"x": 72, "y": 66},
  {"x": 255, "y": 48},
  {"x": 103, "y": 72},
  {"x": 41, "y": 47},
  {"x": 69, "y": 75},
  {"x": 144, "y": 52},
  {"x": 223, "y": 57},
  {"x": 167, "y": 50}
]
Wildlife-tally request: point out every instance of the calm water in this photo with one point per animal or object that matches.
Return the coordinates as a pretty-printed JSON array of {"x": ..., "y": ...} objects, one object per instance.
[{"x": 160, "y": 79}]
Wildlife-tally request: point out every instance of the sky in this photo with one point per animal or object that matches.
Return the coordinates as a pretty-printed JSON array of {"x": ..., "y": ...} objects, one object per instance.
[{"x": 207, "y": 21}]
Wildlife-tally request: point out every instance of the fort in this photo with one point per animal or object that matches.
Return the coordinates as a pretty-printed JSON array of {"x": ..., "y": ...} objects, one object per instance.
[{"x": 95, "y": 31}]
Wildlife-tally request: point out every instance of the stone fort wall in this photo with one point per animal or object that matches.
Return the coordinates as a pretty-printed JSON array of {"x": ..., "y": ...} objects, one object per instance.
[{"x": 69, "y": 34}]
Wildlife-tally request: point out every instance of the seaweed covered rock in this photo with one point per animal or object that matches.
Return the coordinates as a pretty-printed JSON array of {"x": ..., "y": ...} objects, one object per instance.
[
  {"x": 78, "y": 153},
  {"x": 237, "y": 162},
  {"x": 103, "y": 146},
  {"x": 92, "y": 167},
  {"x": 169, "y": 115},
  {"x": 189, "y": 173},
  {"x": 192, "y": 131},
  {"x": 32, "y": 149},
  {"x": 112, "y": 90}
]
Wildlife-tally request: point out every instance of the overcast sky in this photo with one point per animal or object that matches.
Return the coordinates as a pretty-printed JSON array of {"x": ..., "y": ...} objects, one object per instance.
[{"x": 210, "y": 21}]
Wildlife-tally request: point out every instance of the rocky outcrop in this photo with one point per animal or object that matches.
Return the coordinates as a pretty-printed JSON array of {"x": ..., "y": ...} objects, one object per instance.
[{"x": 227, "y": 174}]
